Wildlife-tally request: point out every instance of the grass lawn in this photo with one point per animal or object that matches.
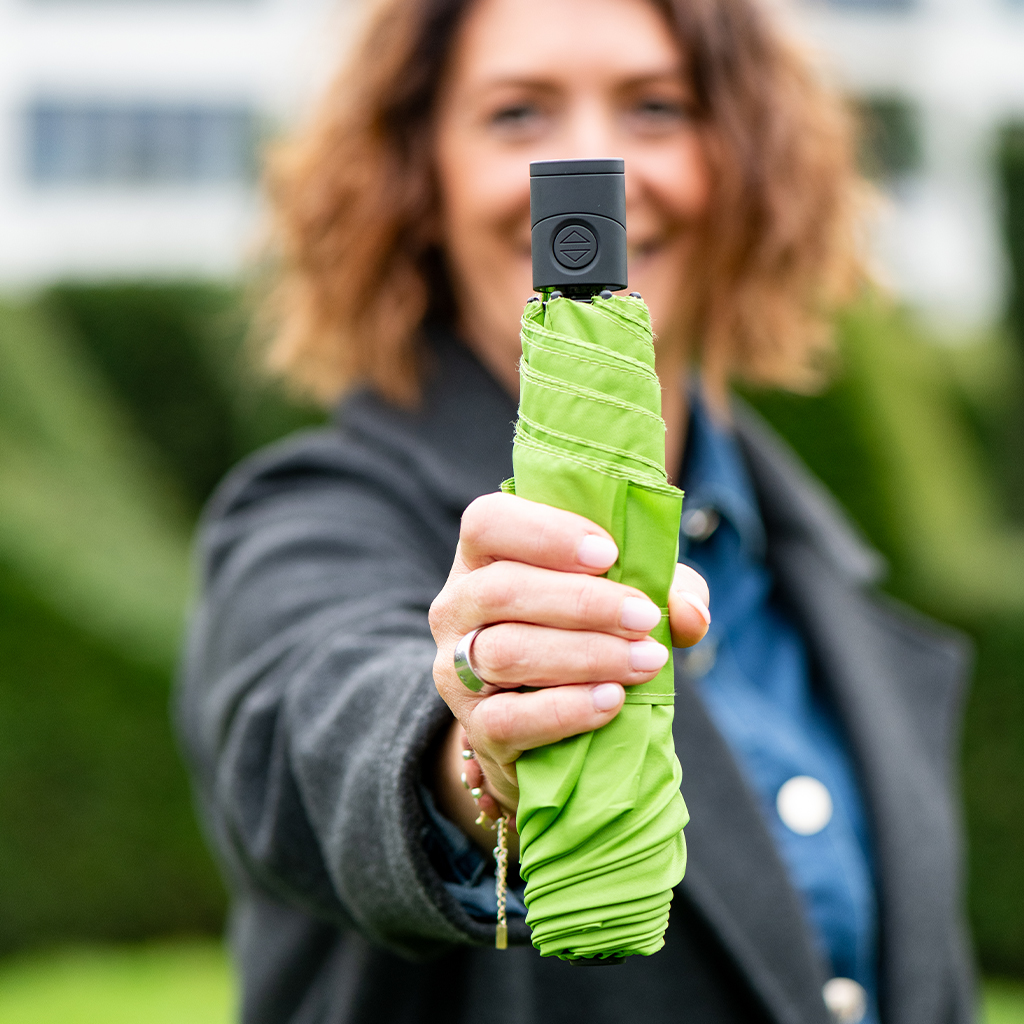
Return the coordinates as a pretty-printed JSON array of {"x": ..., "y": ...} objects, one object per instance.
[
  {"x": 180, "y": 983},
  {"x": 190, "y": 983},
  {"x": 1004, "y": 1002}
]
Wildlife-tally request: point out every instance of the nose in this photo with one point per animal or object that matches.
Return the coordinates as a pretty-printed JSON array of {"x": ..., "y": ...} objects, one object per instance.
[{"x": 590, "y": 130}]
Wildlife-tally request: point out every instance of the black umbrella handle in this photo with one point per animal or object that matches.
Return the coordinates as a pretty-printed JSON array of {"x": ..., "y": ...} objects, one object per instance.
[{"x": 578, "y": 221}]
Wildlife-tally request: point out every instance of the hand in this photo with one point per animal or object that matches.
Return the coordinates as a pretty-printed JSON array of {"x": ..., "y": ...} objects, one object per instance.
[{"x": 531, "y": 575}]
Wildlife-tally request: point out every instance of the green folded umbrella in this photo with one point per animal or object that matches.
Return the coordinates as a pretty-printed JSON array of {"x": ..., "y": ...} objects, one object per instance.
[{"x": 600, "y": 815}]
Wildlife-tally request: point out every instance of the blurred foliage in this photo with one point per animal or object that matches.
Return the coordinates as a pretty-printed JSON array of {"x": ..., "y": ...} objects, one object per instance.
[
  {"x": 97, "y": 834},
  {"x": 1010, "y": 168},
  {"x": 179, "y": 360},
  {"x": 81, "y": 499},
  {"x": 121, "y": 405},
  {"x": 890, "y": 136},
  {"x": 107, "y": 398}
]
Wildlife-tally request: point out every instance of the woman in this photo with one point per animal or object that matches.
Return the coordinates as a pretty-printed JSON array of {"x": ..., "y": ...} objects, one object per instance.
[{"x": 347, "y": 773}]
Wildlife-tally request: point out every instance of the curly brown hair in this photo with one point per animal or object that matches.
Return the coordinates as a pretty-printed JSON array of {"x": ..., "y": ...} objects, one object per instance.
[{"x": 354, "y": 192}]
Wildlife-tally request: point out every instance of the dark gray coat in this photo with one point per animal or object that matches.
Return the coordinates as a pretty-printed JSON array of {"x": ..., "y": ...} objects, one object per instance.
[{"x": 307, "y": 708}]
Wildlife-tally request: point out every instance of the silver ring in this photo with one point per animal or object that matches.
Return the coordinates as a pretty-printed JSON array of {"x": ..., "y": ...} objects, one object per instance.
[{"x": 464, "y": 666}]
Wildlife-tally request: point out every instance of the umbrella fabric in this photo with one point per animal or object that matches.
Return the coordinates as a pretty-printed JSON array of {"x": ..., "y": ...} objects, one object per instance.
[{"x": 600, "y": 815}]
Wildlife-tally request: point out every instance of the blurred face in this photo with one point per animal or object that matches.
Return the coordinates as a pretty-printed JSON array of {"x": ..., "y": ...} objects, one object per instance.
[{"x": 561, "y": 79}]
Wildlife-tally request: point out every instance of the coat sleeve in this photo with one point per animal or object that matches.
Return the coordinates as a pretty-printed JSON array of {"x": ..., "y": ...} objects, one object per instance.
[{"x": 307, "y": 701}]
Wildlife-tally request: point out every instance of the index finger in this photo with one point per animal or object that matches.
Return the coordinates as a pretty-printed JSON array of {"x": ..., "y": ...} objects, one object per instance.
[{"x": 500, "y": 527}]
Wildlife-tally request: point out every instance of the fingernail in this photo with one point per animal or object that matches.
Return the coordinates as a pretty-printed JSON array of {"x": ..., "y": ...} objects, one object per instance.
[
  {"x": 702, "y": 608},
  {"x": 596, "y": 552},
  {"x": 606, "y": 696},
  {"x": 647, "y": 655},
  {"x": 476, "y": 792},
  {"x": 640, "y": 614},
  {"x": 467, "y": 755},
  {"x": 481, "y": 818},
  {"x": 465, "y": 781}
]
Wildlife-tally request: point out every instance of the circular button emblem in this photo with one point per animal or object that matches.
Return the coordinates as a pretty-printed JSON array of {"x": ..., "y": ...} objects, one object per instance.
[
  {"x": 575, "y": 246},
  {"x": 804, "y": 805}
]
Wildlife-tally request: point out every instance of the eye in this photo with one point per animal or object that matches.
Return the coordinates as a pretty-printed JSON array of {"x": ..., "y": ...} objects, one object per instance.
[
  {"x": 662, "y": 111},
  {"x": 514, "y": 115},
  {"x": 658, "y": 111}
]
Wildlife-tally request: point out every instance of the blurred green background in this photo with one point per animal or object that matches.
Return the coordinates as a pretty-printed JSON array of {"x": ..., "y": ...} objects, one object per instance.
[{"x": 122, "y": 404}]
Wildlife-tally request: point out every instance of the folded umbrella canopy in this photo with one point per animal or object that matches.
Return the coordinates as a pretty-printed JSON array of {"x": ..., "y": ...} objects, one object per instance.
[{"x": 600, "y": 815}]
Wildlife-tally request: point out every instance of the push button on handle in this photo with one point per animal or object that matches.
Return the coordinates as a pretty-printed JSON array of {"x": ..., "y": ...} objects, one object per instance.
[{"x": 575, "y": 247}]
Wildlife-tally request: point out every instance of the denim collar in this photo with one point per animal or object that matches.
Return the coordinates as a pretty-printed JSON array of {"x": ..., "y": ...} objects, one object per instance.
[{"x": 715, "y": 476}]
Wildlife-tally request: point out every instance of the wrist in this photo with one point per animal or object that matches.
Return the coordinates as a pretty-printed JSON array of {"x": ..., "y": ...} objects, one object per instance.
[{"x": 451, "y": 794}]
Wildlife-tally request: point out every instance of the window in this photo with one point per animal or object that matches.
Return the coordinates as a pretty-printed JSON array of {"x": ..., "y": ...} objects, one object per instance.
[{"x": 76, "y": 143}]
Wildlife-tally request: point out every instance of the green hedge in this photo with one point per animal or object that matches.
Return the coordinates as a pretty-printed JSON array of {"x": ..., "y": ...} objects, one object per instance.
[
  {"x": 120, "y": 407},
  {"x": 180, "y": 361},
  {"x": 96, "y": 834},
  {"x": 1010, "y": 172},
  {"x": 1010, "y": 169}
]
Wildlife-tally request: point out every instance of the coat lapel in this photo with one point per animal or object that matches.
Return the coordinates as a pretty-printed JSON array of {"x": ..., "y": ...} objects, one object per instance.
[
  {"x": 897, "y": 684},
  {"x": 457, "y": 440},
  {"x": 887, "y": 683},
  {"x": 734, "y": 876}
]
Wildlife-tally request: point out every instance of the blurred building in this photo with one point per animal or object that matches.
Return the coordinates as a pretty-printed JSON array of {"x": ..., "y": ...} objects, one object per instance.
[
  {"x": 939, "y": 80},
  {"x": 129, "y": 129}
]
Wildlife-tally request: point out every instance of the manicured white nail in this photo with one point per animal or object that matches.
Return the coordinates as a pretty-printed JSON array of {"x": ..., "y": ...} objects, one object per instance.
[
  {"x": 639, "y": 614},
  {"x": 606, "y": 696},
  {"x": 465, "y": 781},
  {"x": 597, "y": 552},
  {"x": 476, "y": 792},
  {"x": 647, "y": 655},
  {"x": 690, "y": 598}
]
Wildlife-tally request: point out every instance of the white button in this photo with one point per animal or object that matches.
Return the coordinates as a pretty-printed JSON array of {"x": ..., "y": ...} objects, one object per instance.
[
  {"x": 804, "y": 805},
  {"x": 846, "y": 1000},
  {"x": 698, "y": 524}
]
